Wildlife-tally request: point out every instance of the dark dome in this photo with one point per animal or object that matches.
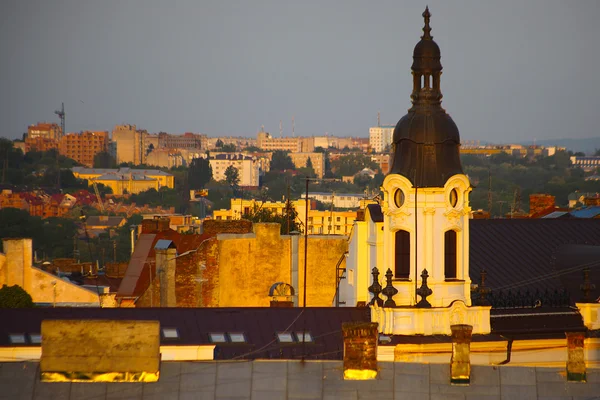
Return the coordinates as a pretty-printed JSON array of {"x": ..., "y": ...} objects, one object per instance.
[
  {"x": 426, "y": 141},
  {"x": 426, "y": 56},
  {"x": 426, "y": 148}
]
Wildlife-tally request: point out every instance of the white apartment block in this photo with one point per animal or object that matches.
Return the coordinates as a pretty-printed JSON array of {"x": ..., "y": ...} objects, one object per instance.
[
  {"x": 248, "y": 167},
  {"x": 339, "y": 200},
  {"x": 380, "y": 137}
]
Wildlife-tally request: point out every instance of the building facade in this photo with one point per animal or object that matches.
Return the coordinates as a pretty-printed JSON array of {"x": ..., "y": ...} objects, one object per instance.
[
  {"x": 133, "y": 144},
  {"x": 44, "y": 130},
  {"x": 83, "y": 147},
  {"x": 126, "y": 180},
  {"x": 380, "y": 138},
  {"x": 317, "y": 160},
  {"x": 248, "y": 167}
]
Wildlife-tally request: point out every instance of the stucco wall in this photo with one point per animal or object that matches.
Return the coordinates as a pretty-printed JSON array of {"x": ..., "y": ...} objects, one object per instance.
[
  {"x": 308, "y": 380},
  {"x": 42, "y": 286}
]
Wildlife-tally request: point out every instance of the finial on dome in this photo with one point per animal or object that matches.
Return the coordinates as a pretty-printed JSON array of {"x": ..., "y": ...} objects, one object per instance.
[{"x": 427, "y": 28}]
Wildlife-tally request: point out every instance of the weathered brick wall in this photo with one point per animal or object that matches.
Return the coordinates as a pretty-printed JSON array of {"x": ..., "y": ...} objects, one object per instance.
[
  {"x": 213, "y": 226},
  {"x": 116, "y": 269}
]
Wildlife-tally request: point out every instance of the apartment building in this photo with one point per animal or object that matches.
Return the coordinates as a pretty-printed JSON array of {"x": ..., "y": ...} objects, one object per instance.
[
  {"x": 166, "y": 158},
  {"x": 133, "y": 144},
  {"x": 317, "y": 160},
  {"x": 267, "y": 142},
  {"x": 40, "y": 143},
  {"x": 83, "y": 147},
  {"x": 248, "y": 167},
  {"x": 44, "y": 130},
  {"x": 319, "y": 222},
  {"x": 339, "y": 200},
  {"x": 126, "y": 180},
  {"x": 380, "y": 137},
  {"x": 188, "y": 141}
]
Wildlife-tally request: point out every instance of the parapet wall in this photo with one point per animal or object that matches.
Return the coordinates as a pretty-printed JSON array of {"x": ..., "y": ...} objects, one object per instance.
[{"x": 310, "y": 379}]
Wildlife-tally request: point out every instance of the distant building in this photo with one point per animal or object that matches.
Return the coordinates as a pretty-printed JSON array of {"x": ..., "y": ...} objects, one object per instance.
[
  {"x": 319, "y": 222},
  {"x": 248, "y": 167},
  {"x": 126, "y": 180},
  {"x": 587, "y": 163},
  {"x": 339, "y": 200},
  {"x": 165, "y": 158},
  {"x": 317, "y": 160},
  {"x": 44, "y": 130},
  {"x": 83, "y": 147},
  {"x": 39, "y": 143},
  {"x": 380, "y": 138},
  {"x": 132, "y": 144},
  {"x": 188, "y": 141},
  {"x": 267, "y": 142}
]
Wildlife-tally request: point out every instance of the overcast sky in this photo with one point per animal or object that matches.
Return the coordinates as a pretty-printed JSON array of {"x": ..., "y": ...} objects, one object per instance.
[{"x": 513, "y": 70}]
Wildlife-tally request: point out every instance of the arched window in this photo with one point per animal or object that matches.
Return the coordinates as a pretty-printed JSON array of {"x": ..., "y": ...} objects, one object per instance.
[
  {"x": 450, "y": 255},
  {"x": 402, "y": 266}
]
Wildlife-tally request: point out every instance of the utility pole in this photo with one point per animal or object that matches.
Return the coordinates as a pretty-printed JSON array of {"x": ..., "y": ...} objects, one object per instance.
[
  {"x": 61, "y": 115},
  {"x": 490, "y": 191}
]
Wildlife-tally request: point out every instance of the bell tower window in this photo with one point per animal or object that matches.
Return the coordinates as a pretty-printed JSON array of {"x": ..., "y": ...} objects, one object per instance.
[
  {"x": 402, "y": 262},
  {"x": 450, "y": 255}
]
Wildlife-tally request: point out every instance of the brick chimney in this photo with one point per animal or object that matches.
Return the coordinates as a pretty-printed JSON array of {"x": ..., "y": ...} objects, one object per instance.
[
  {"x": 155, "y": 225},
  {"x": 360, "y": 350}
]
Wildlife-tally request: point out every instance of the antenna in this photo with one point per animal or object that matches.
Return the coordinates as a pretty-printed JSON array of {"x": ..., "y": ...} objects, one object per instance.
[
  {"x": 61, "y": 115},
  {"x": 378, "y": 119},
  {"x": 280, "y": 129},
  {"x": 293, "y": 127},
  {"x": 490, "y": 191}
]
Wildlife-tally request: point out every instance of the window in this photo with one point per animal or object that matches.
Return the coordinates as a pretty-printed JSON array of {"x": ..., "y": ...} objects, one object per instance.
[
  {"x": 450, "y": 255},
  {"x": 170, "y": 333},
  {"x": 307, "y": 337},
  {"x": 35, "y": 338},
  {"x": 237, "y": 337},
  {"x": 16, "y": 338},
  {"x": 402, "y": 263},
  {"x": 217, "y": 337},
  {"x": 338, "y": 219},
  {"x": 285, "y": 337}
]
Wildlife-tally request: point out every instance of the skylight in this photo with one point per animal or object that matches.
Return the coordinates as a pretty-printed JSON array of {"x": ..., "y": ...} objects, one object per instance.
[
  {"x": 170, "y": 333},
  {"x": 217, "y": 337},
  {"x": 285, "y": 337},
  {"x": 307, "y": 336},
  {"x": 35, "y": 338},
  {"x": 237, "y": 337},
  {"x": 17, "y": 338}
]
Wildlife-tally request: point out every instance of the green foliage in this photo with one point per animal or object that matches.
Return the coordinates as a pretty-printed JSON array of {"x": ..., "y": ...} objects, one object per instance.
[
  {"x": 230, "y": 148},
  {"x": 36, "y": 168},
  {"x": 287, "y": 220},
  {"x": 104, "y": 160},
  {"x": 281, "y": 161},
  {"x": 350, "y": 164},
  {"x": 252, "y": 149},
  {"x": 52, "y": 237},
  {"x": 232, "y": 176},
  {"x": 200, "y": 173},
  {"x": 309, "y": 163},
  {"x": 509, "y": 174},
  {"x": 219, "y": 143},
  {"x": 15, "y": 297}
]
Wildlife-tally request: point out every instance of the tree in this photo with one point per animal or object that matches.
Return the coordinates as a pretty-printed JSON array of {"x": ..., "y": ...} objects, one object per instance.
[
  {"x": 230, "y": 148},
  {"x": 309, "y": 163},
  {"x": 200, "y": 173},
  {"x": 281, "y": 161},
  {"x": 15, "y": 297},
  {"x": 219, "y": 143},
  {"x": 352, "y": 163},
  {"x": 104, "y": 160},
  {"x": 288, "y": 219},
  {"x": 232, "y": 176}
]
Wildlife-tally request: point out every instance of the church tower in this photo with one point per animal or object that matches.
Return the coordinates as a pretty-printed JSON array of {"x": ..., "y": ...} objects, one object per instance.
[{"x": 426, "y": 194}]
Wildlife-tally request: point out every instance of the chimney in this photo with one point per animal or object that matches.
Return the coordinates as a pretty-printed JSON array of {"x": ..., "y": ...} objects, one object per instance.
[
  {"x": 360, "y": 350},
  {"x": 17, "y": 267},
  {"x": 165, "y": 271},
  {"x": 575, "y": 357},
  {"x": 460, "y": 364}
]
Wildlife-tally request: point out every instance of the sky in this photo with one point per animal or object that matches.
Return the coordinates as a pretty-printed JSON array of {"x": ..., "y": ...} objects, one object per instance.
[{"x": 514, "y": 70}]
